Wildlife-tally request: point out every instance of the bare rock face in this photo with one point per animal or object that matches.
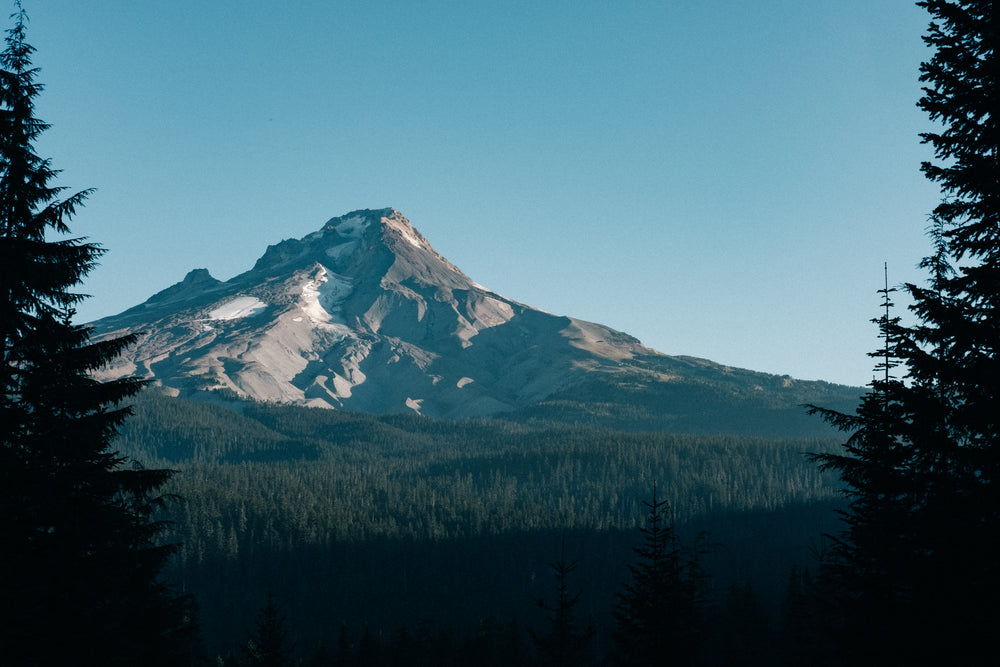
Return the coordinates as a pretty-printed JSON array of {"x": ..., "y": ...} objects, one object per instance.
[
  {"x": 365, "y": 315},
  {"x": 362, "y": 314}
]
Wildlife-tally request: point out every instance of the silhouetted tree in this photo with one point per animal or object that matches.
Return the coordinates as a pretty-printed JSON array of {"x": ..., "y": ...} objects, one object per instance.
[
  {"x": 864, "y": 573},
  {"x": 564, "y": 644},
  {"x": 660, "y": 612},
  {"x": 268, "y": 644},
  {"x": 922, "y": 464},
  {"x": 80, "y": 560}
]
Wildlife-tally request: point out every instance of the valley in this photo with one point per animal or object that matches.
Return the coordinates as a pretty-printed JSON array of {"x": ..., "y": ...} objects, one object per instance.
[{"x": 381, "y": 522}]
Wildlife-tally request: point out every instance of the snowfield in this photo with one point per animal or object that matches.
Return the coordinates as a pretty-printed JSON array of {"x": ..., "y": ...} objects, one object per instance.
[
  {"x": 338, "y": 252},
  {"x": 322, "y": 296},
  {"x": 352, "y": 228},
  {"x": 238, "y": 308},
  {"x": 364, "y": 301}
]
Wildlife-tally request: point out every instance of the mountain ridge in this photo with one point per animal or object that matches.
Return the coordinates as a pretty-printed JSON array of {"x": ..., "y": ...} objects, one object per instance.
[{"x": 364, "y": 314}]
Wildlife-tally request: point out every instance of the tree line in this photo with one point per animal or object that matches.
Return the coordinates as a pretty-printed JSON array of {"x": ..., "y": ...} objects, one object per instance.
[
  {"x": 389, "y": 520},
  {"x": 664, "y": 612}
]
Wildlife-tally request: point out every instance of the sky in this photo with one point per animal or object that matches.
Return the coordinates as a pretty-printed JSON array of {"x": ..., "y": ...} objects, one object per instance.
[{"x": 719, "y": 178}]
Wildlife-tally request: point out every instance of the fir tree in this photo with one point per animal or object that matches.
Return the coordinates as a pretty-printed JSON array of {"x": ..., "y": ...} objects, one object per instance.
[
  {"x": 922, "y": 464},
  {"x": 660, "y": 612},
  {"x": 81, "y": 583},
  {"x": 564, "y": 644},
  {"x": 268, "y": 644},
  {"x": 863, "y": 570}
]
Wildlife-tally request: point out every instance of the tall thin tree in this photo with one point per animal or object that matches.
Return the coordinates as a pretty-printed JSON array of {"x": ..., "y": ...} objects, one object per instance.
[
  {"x": 922, "y": 465},
  {"x": 268, "y": 644},
  {"x": 660, "y": 611},
  {"x": 565, "y": 644},
  {"x": 81, "y": 583}
]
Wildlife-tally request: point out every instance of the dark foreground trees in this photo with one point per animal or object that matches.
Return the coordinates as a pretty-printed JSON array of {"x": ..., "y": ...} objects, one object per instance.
[
  {"x": 913, "y": 577},
  {"x": 565, "y": 644},
  {"x": 268, "y": 644},
  {"x": 660, "y": 613},
  {"x": 77, "y": 552}
]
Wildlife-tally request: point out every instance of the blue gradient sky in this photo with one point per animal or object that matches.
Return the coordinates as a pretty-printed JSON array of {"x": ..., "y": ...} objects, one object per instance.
[{"x": 720, "y": 179}]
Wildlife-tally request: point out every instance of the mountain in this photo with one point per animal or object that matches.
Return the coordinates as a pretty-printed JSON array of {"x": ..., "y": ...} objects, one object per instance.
[{"x": 365, "y": 315}]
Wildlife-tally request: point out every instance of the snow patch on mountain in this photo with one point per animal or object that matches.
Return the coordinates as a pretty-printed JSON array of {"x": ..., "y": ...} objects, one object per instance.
[
  {"x": 352, "y": 228},
  {"x": 238, "y": 308},
  {"x": 322, "y": 296},
  {"x": 339, "y": 252},
  {"x": 309, "y": 303},
  {"x": 334, "y": 290},
  {"x": 363, "y": 314}
]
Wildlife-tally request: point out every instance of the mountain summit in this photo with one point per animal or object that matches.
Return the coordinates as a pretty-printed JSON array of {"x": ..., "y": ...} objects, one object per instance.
[{"x": 364, "y": 314}]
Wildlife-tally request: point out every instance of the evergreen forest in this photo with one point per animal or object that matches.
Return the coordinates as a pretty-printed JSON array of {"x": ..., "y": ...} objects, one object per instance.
[{"x": 374, "y": 524}]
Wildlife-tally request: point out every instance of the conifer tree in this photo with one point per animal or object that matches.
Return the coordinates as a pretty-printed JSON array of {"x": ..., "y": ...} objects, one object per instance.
[
  {"x": 268, "y": 644},
  {"x": 863, "y": 575},
  {"x": 660, "y": 611},
  {"x": 81, "y": 567},
  {"x": 922, "y": 464},
  {"x": 565, "y": 644}
]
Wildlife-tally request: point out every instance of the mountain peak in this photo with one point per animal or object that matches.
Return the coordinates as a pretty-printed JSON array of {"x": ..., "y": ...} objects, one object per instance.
[
  {"x": 195, "y": 282},
  {"x": 388, "y": 224},
  {"x": 349, "y": 224},
  {"x": 364, "y": 314}
]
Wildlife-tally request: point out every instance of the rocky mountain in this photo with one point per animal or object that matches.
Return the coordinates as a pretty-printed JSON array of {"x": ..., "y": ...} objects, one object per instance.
[{"x": 365, "y": 315}]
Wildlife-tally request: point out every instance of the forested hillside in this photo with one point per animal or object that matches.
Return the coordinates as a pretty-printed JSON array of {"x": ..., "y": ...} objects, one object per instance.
[{"x": 383, "y": 521}]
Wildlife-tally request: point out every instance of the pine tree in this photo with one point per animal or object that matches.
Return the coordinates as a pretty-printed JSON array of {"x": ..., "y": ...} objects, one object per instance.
[
  {"x": 922, "y": 464},
  {"x": 81, "y": 566},
  {"x": 863, "y": 570},
  {"x": 660, "y": 611},
  {"x": 268, "y": 644},
  {"x": 564, "y": 644}
]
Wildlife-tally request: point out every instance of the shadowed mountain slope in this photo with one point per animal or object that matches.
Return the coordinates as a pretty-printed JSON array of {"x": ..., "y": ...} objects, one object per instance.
[{"x": 364, "y": 314}]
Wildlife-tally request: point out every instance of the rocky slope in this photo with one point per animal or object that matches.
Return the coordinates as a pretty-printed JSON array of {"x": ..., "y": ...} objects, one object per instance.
[{"x": 364, "y": 314}]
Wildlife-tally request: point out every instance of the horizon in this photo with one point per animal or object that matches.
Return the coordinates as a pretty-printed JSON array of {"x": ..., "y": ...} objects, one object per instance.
[{"x": 720, "y": 181}]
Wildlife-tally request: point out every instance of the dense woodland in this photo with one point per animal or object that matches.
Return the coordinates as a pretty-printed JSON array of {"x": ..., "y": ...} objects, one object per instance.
[{"x": 380, "y": 522}]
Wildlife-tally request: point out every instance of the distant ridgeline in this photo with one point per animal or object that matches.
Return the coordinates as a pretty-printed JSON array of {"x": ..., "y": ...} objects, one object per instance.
[
  {"x": 380, "y": 521},
  {"x": 365, "y": 315}
]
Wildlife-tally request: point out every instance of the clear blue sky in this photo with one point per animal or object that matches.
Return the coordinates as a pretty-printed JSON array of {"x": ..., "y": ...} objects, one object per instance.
[{"x": 721, "y": 179}]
